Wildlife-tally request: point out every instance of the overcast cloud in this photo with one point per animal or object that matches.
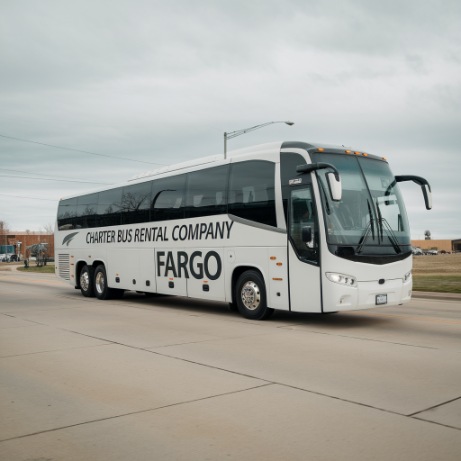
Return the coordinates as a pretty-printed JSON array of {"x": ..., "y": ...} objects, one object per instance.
[{"x": 159, "y": 82}]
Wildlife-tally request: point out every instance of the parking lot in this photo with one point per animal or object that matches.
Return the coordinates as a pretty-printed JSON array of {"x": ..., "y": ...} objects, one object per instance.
[{"x": 170, "y": 378}]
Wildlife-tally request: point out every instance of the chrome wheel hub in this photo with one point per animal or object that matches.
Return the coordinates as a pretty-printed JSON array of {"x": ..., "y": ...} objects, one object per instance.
[
  {"x": 251, "y": 296},
  {"x": 100, "y": 282},
  {"x": 85, "y": 281}
]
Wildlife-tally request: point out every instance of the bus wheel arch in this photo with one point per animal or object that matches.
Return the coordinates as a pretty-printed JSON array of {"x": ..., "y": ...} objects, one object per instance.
[{"x": 250, "y": 294}]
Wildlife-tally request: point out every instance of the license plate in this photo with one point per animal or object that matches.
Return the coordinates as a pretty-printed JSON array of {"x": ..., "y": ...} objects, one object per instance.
[{"x": 381, "y": 299}]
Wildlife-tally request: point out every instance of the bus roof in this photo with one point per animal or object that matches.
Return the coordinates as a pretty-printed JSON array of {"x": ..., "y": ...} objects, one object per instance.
[
  {"x": 219, "y": 159},
  {"x": 237, "y": 154},
  {"x": 272, "y": 147}
]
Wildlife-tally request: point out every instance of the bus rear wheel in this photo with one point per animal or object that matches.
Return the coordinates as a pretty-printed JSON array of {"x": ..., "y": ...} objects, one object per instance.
[
  {"x": 86, "y": 281},
  {"x": 250, "y": 296},
  {"x": 101, "y": 289}
]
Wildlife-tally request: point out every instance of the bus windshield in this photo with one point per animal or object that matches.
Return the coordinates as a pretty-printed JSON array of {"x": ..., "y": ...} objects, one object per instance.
[{"x": 370, "y": 219}]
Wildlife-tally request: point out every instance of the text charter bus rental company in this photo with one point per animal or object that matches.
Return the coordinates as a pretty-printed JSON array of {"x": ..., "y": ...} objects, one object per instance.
[{"x": 290, "y": 226}]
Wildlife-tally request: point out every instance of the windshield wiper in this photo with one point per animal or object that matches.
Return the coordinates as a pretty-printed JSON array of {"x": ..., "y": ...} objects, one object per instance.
[
  {"x": 380, "y": 222},
  {"x": 364, "y": 236},
  {"x": 370, "y": 227},
  {"x": 391, "y": 235}
]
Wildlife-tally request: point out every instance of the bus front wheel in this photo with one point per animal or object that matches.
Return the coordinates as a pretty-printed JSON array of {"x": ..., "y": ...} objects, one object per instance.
[
  {"x": 86, "y": 280},
  {"x": 250, "y": 296}
]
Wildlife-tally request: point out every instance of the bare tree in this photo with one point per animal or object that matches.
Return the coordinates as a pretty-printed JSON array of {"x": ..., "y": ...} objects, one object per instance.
[{"x": 48, "y": 228}]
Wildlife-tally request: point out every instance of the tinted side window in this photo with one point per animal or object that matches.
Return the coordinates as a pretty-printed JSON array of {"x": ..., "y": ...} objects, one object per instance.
[
  {"x": 251, "y": 191},
  {"x": 288, "y": 163},
  {"x": 168, "y": 198},
  {"x": 109, "y": 207},
  {"x": 67, "y": 212},
  {"x": 207, "y": 192},
  {"x": 135, "y": 205},
  {"x": 303, "y": 216},
  {"x": 87, "y": 207}
]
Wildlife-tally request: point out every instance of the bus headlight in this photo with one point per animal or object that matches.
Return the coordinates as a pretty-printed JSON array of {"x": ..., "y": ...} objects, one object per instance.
[
  {"x": 407, "y": 277},
  {"x": 342, "y": 279}
]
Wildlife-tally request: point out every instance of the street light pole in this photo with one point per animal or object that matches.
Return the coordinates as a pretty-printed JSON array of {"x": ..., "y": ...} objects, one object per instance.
[{"x": 234, "y": 134}]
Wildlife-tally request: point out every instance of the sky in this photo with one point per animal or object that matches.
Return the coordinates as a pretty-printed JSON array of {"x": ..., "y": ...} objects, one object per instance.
[{"x": 94, "y": 92}]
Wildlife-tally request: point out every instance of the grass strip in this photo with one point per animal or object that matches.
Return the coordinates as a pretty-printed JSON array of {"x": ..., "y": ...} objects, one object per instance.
[
  {"x": 437, "y": 283},
  {"x": 48, "y": 269}
]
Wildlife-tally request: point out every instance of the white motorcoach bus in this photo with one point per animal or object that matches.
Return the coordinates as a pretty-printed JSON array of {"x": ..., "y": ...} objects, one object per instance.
[{"x": 290, "y": 226}]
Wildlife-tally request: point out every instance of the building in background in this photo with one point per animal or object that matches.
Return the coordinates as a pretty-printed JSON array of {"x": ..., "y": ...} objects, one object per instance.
[
  {"x": 20, "y": 240},
  {"x": 447, "y": 246}
]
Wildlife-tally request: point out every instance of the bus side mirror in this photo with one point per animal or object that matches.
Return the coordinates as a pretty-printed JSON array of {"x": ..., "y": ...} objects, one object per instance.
[
  {"x": 307, "y": 236},
  {"x": 334, "y": 184},
  {"x": 427, "y": 196},
  {"x": 425, "y": 186}
]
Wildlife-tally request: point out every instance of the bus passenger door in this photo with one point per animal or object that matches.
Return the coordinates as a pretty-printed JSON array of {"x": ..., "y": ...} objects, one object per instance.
[{"x": 303, "y": 251}]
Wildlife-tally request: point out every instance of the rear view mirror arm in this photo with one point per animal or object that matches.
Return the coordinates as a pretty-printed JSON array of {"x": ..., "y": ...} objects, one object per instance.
[
  {"x": 308, "y": 168},
  {"x": 425, "y": 187},
  {"x": 333, "y": 178}
]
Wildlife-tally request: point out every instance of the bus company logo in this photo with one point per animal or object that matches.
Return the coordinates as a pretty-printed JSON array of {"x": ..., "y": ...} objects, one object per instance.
[{"x": 68, "y": 238}]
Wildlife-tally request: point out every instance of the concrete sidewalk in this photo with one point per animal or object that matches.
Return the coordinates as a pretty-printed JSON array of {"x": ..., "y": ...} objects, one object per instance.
[{"x": 170, "y": 378}]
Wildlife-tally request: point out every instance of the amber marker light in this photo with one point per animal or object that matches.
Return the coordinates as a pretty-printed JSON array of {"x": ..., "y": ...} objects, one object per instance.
[{"x": 320, "y": 149}]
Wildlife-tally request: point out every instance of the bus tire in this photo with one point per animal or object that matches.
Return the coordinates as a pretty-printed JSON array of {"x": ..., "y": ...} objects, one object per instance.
[
  {"x": 250, "y": 296},
  {"x": 86, "y": 281},
  {"x": 101, "y": 290}
]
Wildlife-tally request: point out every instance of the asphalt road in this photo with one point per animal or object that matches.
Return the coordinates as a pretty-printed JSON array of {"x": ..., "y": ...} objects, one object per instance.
[{"x": 167, "y": 378}]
